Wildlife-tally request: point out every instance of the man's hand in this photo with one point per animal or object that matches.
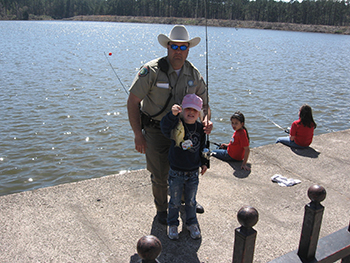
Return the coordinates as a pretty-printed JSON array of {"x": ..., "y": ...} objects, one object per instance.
[
  {"x": 208, "y": 126},
  {"x": 140, "y": 143}
]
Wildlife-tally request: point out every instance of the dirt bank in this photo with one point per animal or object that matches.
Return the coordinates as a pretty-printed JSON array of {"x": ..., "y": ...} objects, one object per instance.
[{"x": 345, "y": 30}]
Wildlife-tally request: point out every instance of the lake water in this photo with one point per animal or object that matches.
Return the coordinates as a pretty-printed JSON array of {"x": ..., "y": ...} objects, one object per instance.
[{"x": 63, "y": 111}]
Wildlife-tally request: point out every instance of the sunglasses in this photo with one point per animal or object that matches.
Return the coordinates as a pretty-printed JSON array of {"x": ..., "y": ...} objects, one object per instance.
[{"x": 175, "y": 47}]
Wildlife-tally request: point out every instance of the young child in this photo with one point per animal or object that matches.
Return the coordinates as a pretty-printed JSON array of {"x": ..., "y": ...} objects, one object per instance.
[
  {"x": 238, "y": 148},
  {"x": 302, "y": 130},
  {"x": 185, "y": 158}
]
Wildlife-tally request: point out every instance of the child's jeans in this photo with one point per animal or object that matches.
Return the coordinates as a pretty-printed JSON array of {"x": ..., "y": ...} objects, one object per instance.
[
  {"x": 288, "y": 142},
  {"x": 223, "y": 155},
  {"x": 179, "y": 182}
]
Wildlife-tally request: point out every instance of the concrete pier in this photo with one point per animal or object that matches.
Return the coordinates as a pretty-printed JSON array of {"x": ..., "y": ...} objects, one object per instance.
[{"x": 101, "y": 220}]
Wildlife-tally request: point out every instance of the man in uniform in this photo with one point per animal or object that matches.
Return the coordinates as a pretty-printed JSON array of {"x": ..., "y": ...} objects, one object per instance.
[{"x": 158, "y": 85}]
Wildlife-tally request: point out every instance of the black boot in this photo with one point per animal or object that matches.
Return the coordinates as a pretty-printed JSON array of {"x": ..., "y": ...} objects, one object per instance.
[
  {"x": 162, "y": 217},
  {"x": 199, "y": 209}
]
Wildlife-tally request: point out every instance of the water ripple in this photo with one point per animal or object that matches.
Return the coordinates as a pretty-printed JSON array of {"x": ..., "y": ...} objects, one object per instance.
[{"x": 63, "y": 111}]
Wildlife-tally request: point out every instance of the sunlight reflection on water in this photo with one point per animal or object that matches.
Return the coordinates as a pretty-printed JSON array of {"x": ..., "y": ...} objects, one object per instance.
[{"x": 63, "y": 111}]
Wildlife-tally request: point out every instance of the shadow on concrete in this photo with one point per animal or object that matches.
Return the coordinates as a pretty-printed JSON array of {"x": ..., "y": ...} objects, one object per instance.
[
  {"x": 306, "y": 152},
  {"x": 236, "y": 166},
  {"x": 238, "y": 172},
  {"x": 183, "y": 250},
  {"x": 135, "y": 258}
]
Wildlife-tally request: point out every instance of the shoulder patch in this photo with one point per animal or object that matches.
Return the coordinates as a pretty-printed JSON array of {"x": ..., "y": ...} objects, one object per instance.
[{"x": 144, "y": 71}]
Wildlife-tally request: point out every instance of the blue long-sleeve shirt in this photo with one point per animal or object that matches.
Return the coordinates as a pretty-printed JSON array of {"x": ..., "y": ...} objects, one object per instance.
[{"x": 180, "y": 159}]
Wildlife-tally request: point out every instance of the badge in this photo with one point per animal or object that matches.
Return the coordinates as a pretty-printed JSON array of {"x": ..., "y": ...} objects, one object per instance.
[
  {"x": 144, "y": 71},
  {"x": 190, "y": 83},
  {"x": 186, "y": 145}
]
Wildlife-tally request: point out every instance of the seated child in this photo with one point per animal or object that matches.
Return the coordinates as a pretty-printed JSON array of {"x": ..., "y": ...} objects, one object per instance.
[
  {"x": 302, "y": 130},
  {"x": 238, "y": 148},
  {"x": 185, "y": 158}
]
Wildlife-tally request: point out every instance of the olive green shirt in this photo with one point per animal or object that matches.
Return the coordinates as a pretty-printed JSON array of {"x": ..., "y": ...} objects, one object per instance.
[{"x": 153, "y": 87}]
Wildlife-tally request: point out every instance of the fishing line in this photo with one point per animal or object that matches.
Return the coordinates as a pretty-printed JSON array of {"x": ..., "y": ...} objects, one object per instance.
[
  {"x": 278, "y": 126},
  {"x": 115, "y": 72}
]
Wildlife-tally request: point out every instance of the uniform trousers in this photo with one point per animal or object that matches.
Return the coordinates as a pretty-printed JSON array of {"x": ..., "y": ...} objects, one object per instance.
[{"x": 158, "y": 164}]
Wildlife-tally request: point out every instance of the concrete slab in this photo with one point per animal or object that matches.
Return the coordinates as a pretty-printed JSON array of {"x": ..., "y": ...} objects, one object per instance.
[{"x": 101, "y": 220}]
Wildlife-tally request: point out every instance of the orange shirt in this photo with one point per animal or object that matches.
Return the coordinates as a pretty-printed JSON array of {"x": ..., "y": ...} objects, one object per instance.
[
  {"x": 303, "y": 134},
  {"x": 237, "y": 143}
]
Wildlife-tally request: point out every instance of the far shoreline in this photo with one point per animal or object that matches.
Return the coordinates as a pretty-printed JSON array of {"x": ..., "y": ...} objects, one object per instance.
[{"x": 341, "y": 30}]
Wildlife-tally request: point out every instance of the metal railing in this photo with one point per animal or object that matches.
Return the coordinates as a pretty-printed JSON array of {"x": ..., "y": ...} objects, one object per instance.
[{"x": 311, "y": 250}]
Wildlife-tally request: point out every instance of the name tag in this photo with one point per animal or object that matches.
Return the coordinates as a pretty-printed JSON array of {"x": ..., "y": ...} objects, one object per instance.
[{"x": 163, "y": 85}]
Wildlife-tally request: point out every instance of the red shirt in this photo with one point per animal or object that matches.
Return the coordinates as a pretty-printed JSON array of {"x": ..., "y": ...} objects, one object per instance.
[
  {"x": 303, "y": 134},
  {"x": 237, "y": 143}
]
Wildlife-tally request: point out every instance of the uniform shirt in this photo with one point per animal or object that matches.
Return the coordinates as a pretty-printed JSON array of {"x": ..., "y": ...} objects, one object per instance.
[
  {"x": 237, "y": 143},
  {"x": 303, "y": 134},
  {"x": 152, "y": 86}
]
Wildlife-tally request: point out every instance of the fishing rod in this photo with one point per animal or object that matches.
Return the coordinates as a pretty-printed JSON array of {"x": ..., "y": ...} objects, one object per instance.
[
  {"x": 215, "y": 143},
  {"x": 286, "y": 130},
  {"x": 115, "y": 72},
  {"x": 206, "y": 151}
]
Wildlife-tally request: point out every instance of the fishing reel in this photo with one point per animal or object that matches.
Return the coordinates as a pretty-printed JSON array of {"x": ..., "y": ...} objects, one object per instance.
[{"x": 206, "y": 153}]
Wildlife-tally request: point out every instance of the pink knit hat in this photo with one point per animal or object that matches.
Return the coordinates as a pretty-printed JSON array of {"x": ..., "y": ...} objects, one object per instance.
[{"x": 192, "y": 101}]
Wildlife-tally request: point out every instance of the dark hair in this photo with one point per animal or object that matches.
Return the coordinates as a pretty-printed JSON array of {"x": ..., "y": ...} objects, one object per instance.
[
  {"x": 306, "y": 118},
  {"x": 240, "y": 117}
]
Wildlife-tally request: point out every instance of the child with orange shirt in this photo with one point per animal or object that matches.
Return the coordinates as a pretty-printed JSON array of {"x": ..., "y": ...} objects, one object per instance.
[
  {"x": 302, "y": 130},
  {"x": 238, "y": 148}
]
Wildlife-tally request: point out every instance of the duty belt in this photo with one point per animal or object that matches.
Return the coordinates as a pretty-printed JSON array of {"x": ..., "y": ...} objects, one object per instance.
[{"x": 154, "y": 123}]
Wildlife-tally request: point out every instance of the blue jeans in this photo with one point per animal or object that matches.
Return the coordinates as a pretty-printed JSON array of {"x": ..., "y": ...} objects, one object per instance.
[
  {"x": 179, "y": 182},
  {"x": 288, "y": 142},
  {"x": 223, "y": 155}
]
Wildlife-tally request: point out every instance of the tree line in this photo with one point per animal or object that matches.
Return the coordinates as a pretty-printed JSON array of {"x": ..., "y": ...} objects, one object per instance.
[{"x": 317, "y": 12}]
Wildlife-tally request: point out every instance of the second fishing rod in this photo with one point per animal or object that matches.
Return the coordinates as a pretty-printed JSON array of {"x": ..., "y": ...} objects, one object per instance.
[
  {"x": 110, "y": 54},
  {"x": 286, "y": 130},
  {"x": 206, "y": 151}
]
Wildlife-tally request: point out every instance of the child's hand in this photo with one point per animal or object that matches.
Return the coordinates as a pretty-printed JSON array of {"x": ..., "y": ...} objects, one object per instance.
[
  {"x": 204, "y": 169},
  {"x": 245, "y": 167},
  {"x": 223, "y": 146},
  {"x": 176, "y": 109}
]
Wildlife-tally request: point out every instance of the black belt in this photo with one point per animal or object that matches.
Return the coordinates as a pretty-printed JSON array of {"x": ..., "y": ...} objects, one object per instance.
[
  {"x": 154, "y": 124},
  {"x": 148, "y": 121}
]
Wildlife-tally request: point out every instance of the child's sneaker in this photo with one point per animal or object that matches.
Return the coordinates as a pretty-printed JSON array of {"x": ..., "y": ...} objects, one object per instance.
[
  {"x": 194, "y": 231},
  {"x": 172, "y": 233}
]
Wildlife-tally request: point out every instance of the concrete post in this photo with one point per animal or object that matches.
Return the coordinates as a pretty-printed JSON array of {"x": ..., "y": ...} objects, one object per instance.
[
  {"x": 149, "y": 248},
  {"x": 245, "y": 236},
  {"x": 312, "y": 223},
  {"x": 346, "y": 259}
]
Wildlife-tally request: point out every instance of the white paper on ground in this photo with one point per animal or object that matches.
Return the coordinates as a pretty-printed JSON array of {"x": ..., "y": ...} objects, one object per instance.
[{"x": 283, "y": 181}]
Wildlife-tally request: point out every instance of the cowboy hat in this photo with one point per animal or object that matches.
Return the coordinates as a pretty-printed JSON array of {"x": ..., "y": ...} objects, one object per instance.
[{"x": 178, "y": 34}]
